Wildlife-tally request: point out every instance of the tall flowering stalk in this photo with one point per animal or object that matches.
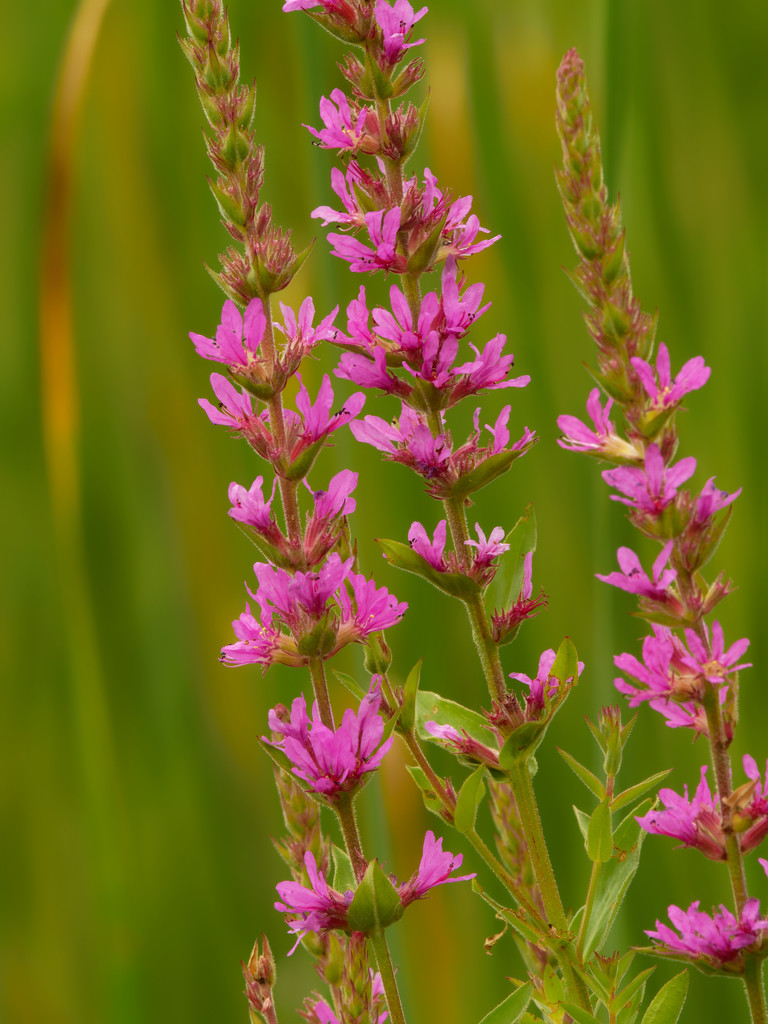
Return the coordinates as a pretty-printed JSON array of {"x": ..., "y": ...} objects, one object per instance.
[
  {"x": 309, "y": 598},
  {"x": 687, "y": 672}
]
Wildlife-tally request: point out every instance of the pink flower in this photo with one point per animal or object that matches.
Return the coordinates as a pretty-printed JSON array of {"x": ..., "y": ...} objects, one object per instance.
[
  {"x": 663, "y": 392},
  {"x": 464, "y": 744},
  {"x": 320, "y": 908},
  {"x": 489, "y": 370},
  {"x": 433, "y": 552},
  {"x": 750, "y": 815},
  {"x": 382, "y": 229},
  {"x": 396, "y": 23},
  {"x": 332, "y": 761},
  {"x": 710, "y": 501},
  {"x": 459, "y": 311},
  {"x": 603, "y": 440},
  {"x": 343, "y": 186},
  {"x": 374, "y": 608},
  {"x": 694, "y": 822},
  {"x": 343, "y": 130},
  {"x": 259, "y": 643},
  {"x": 717, "y": 939},
  {"x": 652, "y": 488},
  {"x": 316, "y": 909},
  {"x": 488, "y": 549},
  {"x": 249, "y": 506},
  {"x": 633, "y": 578},
  {"x": 410, "y": 442},
  {"x": 367, "y": 374},
  {"x": 398, "y": 326},
  {"x": 300, "y": 332},
  {"x": 434, "y": 869},
  {"x": 543, "y": 688},
  {"x": 237, "y": 338},
  {"x": 320, "y": 535},
  {"x": 235, "y": 407},
  {"x": 712, "y": 661},
  {"x": 319, "y": 421}
]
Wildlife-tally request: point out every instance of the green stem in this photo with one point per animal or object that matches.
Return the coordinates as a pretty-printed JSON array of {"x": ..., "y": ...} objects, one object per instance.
[
  {"x": 345, "y": 812},
  {"x": 320, "y": 687},
  {"x": 384, "y": 963},
  {"x": 753, "y": 984},
  {"x": 518, "y": 892},
  {"x": 591, "y": 894},
  {"x": 721, "y": 761},
  {"x": 288, "y": 488},
  {"x": 522, "y": 786}
]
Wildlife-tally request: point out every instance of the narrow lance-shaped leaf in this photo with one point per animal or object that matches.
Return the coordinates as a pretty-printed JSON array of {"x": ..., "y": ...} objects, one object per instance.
[
  {"x": 628, "y": 796},
  {"x": 589, "y": 779},
  {"x": 511, "y": 1009},
  {"x": 508, "y": 580},
  {"x": 470, "y": 795},
  {"x": 666, "y": 1006}
]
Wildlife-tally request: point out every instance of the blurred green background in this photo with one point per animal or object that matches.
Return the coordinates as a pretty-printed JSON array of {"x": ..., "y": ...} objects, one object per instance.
[{"x": 136, "y": 868}]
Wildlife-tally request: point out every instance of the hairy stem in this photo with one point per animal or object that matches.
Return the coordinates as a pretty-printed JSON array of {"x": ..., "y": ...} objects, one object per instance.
[{"x": 384, "y": 963}]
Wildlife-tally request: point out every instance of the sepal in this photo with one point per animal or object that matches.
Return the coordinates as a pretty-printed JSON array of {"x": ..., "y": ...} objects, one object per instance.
[{"x": 376, "y": 903}]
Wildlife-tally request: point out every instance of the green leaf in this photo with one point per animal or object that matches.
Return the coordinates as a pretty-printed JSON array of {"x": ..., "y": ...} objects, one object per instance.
[
  {"x": 628, "y": 796},
  {"x": 519, "y": 920},
  {"x": 470, "y": 795},
  {"x": 343, "y": 873},
  {"x": 628, "y": 993},
  {"x": 521, "y": 743},
  {"x": 350, "y": 684},
  {"x": 666, "y": 1006},
  {"x": 590, "y": 780},
  {"x": 433, "y": 707},
  {"x": 508, "y": 580},
  {"x": 583, "y": 822},
  {"x": 566, "y": 664},
  {"x": 511, "y": 1009},
  {"x": 402, "y": 556},
  {"x": 580, "y": 1016},
  {"x": 483, "y": 474},
  {"x": 376, "y": 903},
  {"x": 615, "y": 878},
  {"x": 407, "y": 718},
  {"x": 431, "y": 800},
  {"x": 599, "y": 836}
]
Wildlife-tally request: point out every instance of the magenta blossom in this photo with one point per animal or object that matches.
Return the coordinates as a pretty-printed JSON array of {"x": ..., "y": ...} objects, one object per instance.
[
  {"x": 487, "y": 549},
  {"x": 332, "y": 761},
  {"x": 372, "y": 374},
  {"x": 711, "y": 660},
  {"x": 343, "y": 186},
  {"x": 603, "y": 441},
  {"x": 718, "y": 939},
  {"x": 695, "y": 822},
  {"x": 317, "y": 909},
  {"x": 344, "y": 129},
  {"x": 664, "y": 392},
  {"x": 544, "y": 687},
  {"x": 488, "y": 371},
  {"x": 710, "y": 501},
  {"x": 410, "y": 442},
  {"x": 432, "y": 551},
  {"x": 249, "y": 506},
  {"x": 634, "y": 580},
  {"x": 238, "y": 337},
  {"x": 300, "y": 331},
  {"x": 652, "y": 488},
  {"x": 321, "y": 909},
  {"x": 235, "y": 408},
  {"x": 382, "y": 228},
  {"x": 396, "y": 23},
  {"x": 434, "y": 868},
  {"x": 300, "y": 601},
  {"x": 463, "y": 744},
  {"x": 321, "y": 534}
]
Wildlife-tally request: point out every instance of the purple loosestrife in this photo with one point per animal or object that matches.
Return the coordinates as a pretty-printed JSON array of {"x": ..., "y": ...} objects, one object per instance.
[
  {"x": 687, "y": 672},
  {"x": 332, "y": 761},
  {"x": 717, "y": 941},
  {"x": 318, "y": 908}
]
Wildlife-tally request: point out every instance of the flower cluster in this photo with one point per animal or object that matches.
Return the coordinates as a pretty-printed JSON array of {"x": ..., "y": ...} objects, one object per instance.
[
  {"x": 319, "y": 908},
  {"x": 332, "y": 761}
]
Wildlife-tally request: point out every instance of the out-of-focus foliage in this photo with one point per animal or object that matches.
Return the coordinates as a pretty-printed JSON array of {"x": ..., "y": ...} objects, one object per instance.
[{"x": 135, "y": 868}]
